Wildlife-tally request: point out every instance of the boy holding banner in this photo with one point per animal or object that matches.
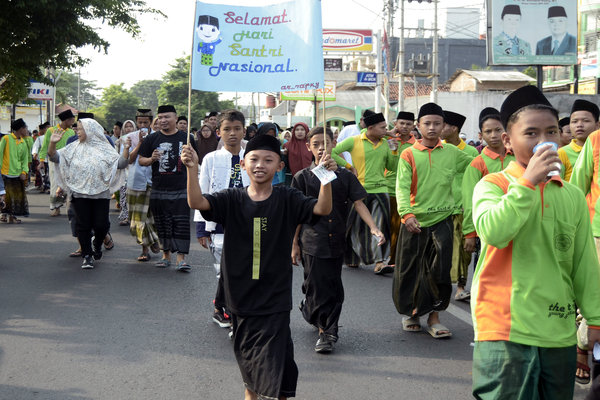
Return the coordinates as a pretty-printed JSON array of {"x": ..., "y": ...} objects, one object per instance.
[{"x": 259, "y": 223}]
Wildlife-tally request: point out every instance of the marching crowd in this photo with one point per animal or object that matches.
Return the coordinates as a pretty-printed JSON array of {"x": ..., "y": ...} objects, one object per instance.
[{"x": 411, "y": 199}]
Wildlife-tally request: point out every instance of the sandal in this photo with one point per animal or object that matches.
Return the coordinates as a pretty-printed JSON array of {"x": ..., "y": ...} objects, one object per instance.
[
  {"x": 584, "y": 380},
  {"x": 109, "y": 244},
  {"x": 439, "y": 331},
  {"x": 3, "y": 218},
  {"x": 163, "y": 263},
  {"x": 144, "y": 257},
  {"x": 465, "y": 295},
  {"x": 411, "y": 324},
  {"x": 381, "y": 268},
  {"x": 124, "y": 223},
  {"x": 13, "y": 220},
  {"x": 76, "y": 253},
  {"x": 183, "y": 266}
]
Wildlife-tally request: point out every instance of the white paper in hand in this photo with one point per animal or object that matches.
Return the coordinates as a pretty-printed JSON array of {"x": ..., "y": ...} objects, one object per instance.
[{"x": 324, "y": 175}]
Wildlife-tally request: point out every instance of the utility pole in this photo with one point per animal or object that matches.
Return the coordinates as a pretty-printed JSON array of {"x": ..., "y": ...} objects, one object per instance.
[
  {"x": 378, "y": 68},
  {"x": 401, "y": 59},
  {"x": 435, "y": 55}
]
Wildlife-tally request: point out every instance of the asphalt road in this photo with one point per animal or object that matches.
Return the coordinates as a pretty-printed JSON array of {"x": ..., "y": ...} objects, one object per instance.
[{"x": 128, "y": 330}]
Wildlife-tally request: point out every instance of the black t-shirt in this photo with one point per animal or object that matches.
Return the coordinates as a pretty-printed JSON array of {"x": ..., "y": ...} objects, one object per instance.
[
  {"x": 235, "y": 177},
  {"x": 326, "y": 239},
  {"x": 168, "y": 173},
  {"x": 256, "y": 264}
]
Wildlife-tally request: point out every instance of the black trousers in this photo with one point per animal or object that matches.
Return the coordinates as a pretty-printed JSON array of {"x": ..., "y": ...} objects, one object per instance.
[
  {"x": 324, "y": 292},
  {"x": 91, "y": 215}
]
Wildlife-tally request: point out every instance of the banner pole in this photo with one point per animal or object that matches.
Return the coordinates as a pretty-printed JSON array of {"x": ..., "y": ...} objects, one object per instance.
[
  {"x": 189, "y": 109},
  {"x": 324, "y": 121}
]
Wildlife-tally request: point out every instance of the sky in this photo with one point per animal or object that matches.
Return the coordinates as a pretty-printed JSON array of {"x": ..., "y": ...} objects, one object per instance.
[{"x": 162, "y": 40}]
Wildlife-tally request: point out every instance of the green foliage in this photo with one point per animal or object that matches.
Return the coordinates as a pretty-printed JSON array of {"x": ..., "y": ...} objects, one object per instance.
[
  {"x": 146, "y": 91},
  {"x": 531, "y": 71},
  {"x": 118, "y": 104},
  {"x": 174, "y": 90},
  {"x": 45, "y": 35}
]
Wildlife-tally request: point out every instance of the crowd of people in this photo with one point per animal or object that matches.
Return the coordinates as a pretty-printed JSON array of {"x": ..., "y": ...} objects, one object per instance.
[{"x": 411, "y": 199}]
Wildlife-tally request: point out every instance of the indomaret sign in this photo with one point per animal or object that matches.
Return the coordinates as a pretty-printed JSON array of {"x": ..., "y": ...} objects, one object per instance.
[{"x": 348, "y": 40}]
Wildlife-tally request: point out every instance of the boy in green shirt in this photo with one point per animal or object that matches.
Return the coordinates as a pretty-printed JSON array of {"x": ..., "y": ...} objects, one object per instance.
[
  {"x": 422, "y": 284},
  {"x": 537, "y": 261}
]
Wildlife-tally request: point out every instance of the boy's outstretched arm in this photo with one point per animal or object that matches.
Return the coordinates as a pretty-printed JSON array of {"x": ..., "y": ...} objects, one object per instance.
[
  {"x": 324, "y": 202},
  {"x": 365, "y": 215},
  {"x": 194, "y": 194},
  {"x": 296, "y": 246}
]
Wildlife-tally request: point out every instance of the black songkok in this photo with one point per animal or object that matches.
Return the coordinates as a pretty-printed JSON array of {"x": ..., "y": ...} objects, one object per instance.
[
  {"x": 487, "y": 113},
  {"x": 430, "y": 109},
  {"x": 263, "y": 142},
  {"x": 408, "y": 116},
  {"x": 584, "y": 105},
  {"x": 454, "y": 119},
  {"x": 17, "y": 124},
  {"x": 166, "y": 109},
  {"x": 374, "y": 119},
  {"x": 557, "y": 11},
  {"x": 522, "y": 97},
  {"x": 65, "y": 115},
  {"x": 511, "y": 9}
]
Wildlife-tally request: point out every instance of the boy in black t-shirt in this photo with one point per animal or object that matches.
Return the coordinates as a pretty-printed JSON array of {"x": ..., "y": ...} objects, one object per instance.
[
  {"x": 259, "y": 223},
  {"x": 322, "y": 245}
]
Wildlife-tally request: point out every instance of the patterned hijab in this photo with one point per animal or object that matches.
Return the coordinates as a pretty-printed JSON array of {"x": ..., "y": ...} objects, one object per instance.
[{"x": 90, "y": 167}]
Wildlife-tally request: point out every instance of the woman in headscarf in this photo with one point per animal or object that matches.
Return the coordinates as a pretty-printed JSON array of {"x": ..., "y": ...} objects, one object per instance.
[
  {"x": 207, "y": 141},
  {"x": 128, "y": 127},
  {"x": 91, "y": 169},
  {"x": 299, "y": 157}
]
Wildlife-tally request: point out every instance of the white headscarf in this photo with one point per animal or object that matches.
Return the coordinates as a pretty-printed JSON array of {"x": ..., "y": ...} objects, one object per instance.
[{"x": 89, "y": 167}]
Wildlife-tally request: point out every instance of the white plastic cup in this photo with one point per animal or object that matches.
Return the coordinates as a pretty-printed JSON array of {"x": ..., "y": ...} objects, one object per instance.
[{"x": 555, "y": 148}]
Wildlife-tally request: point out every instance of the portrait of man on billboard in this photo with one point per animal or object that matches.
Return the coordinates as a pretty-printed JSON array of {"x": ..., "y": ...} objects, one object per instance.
[
  {"x": 507, "y": 42},
  {"x": 560, "y": 42}
]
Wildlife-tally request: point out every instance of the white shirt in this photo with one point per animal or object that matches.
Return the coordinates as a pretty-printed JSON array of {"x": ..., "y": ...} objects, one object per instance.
[
  {"x": 348, "y": 131},
  {"x": 138, "y": 177}
]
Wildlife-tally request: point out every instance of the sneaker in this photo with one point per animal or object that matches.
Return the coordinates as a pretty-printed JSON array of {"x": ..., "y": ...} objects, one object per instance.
[
  {"x": 88, "y": 262},
  {"x": 222, "y": 319},
  {"x": 231, "y": 333},
  {"x": 324, "y": 344}
]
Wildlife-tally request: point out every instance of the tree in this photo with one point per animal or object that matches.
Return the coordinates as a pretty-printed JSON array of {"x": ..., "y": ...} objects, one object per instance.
[
  {"x": 531, "y": 71},
  {"x": 66, "y": 91},
  {"x": 45, "y": 35},
  {"x": 174, "y": 90},
  {"x": 118, "y": 104},
  {"x": 146, "y": 91}
]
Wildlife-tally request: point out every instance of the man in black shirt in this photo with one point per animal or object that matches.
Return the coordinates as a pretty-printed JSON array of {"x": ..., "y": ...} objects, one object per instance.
[
  {"x": 259, "y": 223},
  {"x": 168, "y": 198},
  {"x": 322, "y": 245}
]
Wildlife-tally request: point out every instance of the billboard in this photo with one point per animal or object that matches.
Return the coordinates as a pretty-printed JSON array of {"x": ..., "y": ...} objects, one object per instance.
[
  {"x": 532, "y": 32},
  {"x": 366, "y": 79},
  {"x": 333, "y": 64},
  {"x": 329, "y": 90},
  {"x": 348, "y": 40},
  {"x": 39, "y": 91}
]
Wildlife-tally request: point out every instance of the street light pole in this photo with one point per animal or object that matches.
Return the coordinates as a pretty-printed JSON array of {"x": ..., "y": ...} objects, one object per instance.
[
  {"x": 401, "y": 59},
  {"x": 434, "y": 80}
]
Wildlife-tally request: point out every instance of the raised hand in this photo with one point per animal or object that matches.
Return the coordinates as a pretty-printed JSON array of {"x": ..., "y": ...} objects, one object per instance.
[
  {"x": 57, "y": 134},
  {"x": 189, "y": 156}
]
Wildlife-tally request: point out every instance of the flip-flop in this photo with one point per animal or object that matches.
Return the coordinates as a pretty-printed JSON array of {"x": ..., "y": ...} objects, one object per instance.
[
  {"x": 408, "y": 322},
  {"x": 144, "y": 257},
  {"x": 76, "y": 253},
  {"x": 581, "y": 379},
  {"x": 14, "y": 221},
  {"x": 163, "y": 263},
  {"x": 439, "y": 331},
  {"x": 465, "y": 295},
  {"x": 110, "y": 244}
]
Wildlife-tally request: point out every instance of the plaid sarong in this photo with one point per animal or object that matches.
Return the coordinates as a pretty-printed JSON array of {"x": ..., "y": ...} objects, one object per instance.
[{"x": 141, "y": 222}]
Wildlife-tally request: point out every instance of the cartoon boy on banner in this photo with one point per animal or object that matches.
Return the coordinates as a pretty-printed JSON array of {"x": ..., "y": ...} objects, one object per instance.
[{"x": 208, "y": 35}]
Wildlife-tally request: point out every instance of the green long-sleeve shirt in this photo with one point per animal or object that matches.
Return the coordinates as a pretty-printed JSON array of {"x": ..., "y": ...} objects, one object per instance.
[
  {"x": 424, "y": 181},
  {"x": 390, "y": 175},
  {"x": 59, "y": 145},
  {"x": 537, "y": 261},
  {"x": 15, "y": 158},
  {"x": 458, "y": 178},
  {"x": 370, "y": 160},
  {"x": 487, "y": 162},
  {"x": 585, "y": 177}
]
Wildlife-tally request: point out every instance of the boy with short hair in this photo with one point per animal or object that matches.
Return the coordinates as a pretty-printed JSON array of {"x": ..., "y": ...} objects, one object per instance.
[
  {"x": 322, "y": 246},
  {"x": 582, "y": 122},
  {"x": 259, "y": 223},
  {"x": 537, "y": 261},
  {"x": 422, "y": 282},
  {"x": 220, "y": 170},
  {"x": 493, "y": 158}
]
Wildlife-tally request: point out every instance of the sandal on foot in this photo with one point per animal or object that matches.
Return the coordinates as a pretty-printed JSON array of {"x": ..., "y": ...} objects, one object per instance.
[
  {"x": 109, "y": 244},
  {"x": 353, "y": 266},
  {"x": 163, "y": 263},
  {"x": 144, "y": 257},
  {"x": 14, "y": 220},
  {"x": 123, "y": 223},
  {"x": 465, "y": 295},
  {"x": 381, "y": 269},
  {"x": 411, "y": 324},
  {"x": 183, "y": 266},
  {"x": 155, "y": 247},
  {"x": 76, "y": 253},
  {"x": 3, "y": 218},
  {"x": 584, "y": 380},
  {"x": 438, "y": 331}
]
